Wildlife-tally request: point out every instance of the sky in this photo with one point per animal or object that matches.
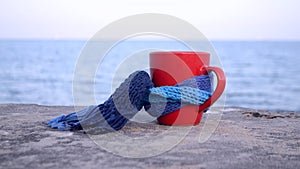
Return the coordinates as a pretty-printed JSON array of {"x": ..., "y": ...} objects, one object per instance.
[{"x": 216, "y": 19}]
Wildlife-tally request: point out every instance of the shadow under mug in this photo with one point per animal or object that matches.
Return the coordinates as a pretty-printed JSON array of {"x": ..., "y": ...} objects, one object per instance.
[{"x": 172, "y": 67}]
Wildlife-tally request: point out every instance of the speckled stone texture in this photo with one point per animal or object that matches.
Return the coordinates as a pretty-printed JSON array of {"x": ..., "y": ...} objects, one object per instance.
[{"x": 244, "y": 138}]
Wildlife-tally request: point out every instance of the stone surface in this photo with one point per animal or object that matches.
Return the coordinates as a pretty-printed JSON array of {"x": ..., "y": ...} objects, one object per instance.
[{"x": 244, "y": 138}]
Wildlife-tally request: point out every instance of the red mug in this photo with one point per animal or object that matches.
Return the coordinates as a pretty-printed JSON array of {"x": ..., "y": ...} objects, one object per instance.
[{"x": 171, "y": 67}]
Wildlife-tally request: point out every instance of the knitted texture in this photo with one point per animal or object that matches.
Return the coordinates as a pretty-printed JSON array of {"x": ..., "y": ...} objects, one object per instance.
[
  {"x": 186, "y": 94},
  {"x": 191, "y": 91},
  {"x": 131, "y": 96}
]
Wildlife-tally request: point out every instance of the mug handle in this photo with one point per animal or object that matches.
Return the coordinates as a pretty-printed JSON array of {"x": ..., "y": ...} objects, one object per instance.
[{"x": 219, "y": 89}]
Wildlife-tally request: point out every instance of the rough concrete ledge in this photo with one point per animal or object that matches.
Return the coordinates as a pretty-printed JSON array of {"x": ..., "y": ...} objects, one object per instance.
[{"x": 245, "y": 138}]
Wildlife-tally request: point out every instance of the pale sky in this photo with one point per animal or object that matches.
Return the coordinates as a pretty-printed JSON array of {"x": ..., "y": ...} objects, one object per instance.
[{"x": 216, "y": 19}]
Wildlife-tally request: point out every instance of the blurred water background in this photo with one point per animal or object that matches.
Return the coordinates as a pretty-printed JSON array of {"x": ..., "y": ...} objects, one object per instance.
[{"x": 263, "y": 75}]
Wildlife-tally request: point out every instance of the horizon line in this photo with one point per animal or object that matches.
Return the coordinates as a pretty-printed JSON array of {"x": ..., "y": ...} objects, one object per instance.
[{"x": 150, "y": 39}]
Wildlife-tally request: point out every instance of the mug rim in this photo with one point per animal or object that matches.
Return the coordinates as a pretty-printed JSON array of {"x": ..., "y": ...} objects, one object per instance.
[{"x": 178, "y": 53}]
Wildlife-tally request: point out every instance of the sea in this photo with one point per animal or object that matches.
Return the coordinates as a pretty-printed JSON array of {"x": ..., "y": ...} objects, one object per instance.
[{"x": 260, "y": 74}]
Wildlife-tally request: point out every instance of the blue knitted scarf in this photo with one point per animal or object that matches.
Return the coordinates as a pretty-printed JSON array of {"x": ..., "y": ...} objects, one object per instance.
[{"x": 136, "y": 92}]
